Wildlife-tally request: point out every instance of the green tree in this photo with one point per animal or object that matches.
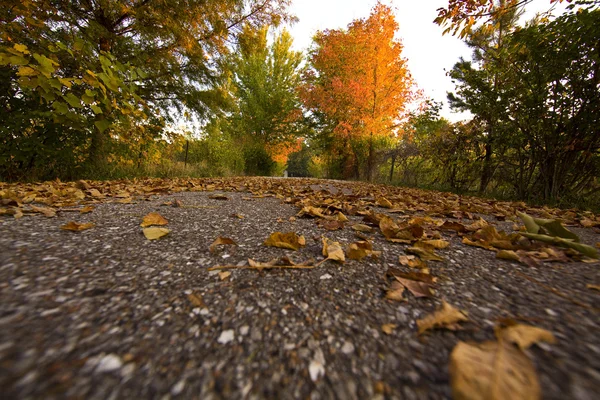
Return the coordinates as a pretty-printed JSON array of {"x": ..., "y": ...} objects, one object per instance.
[{"x": 268, "y": 117}]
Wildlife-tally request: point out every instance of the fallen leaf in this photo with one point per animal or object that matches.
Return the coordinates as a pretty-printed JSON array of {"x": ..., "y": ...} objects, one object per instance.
[
  {"x": 224, "y": 275},
  {"x": 239, "y": 216},
  {"x": 525, "y": 335},
  {"x": 153, "y": 218},
  {"x": 340, "y": 217},
  {"x": 154, "y": 233},
  {"x": 418, "y": 289},
  {"x": 447, "y": 317},
  {"x": 362, "y": 228},
  {"x": 196, "y": 300},
  {"x": 220, "y": 240},
  {"x": 360, "y": 250},
  {"x": 289, "y": 240},
  {"x": 385, "y": 203},
  {"x": 77, "y": 227},
  {"x": 331, "y": 225},
  {"x": 412, "y": 262},
  {"x": 396, "y": 292},
  {"x": 452, "y": 226},
  {"x": 508, "y": 255},
  {"x": 388, "y": 328},
  {"x": 592, "y": 287},
  {"x": 47, "y": 211},
  {"x": 311, "y": 212},
  {"x": 492, "y": 370},
  {"x": 333, "y": 251},
  {"x": 96, "y": 193},
  {"x": 424, "y": 254},
  {"x": 87, "y": 209},
  {"x": 435, "y": 244}
]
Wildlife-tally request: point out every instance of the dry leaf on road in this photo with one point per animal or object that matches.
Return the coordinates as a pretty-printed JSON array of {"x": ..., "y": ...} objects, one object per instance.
[
  {"x": 289, "y": 240},
  {"x": 220, "y": 240},
  {"x": 155, "y": 233},
  {"x": 492, "y": 371},
  {"x": 447, "y": 317},
  {"x": 333, "y": 251},
  {"x": 525, "y": 336},
  {"x": 153, "y": 218},
  {"x": 77, "y": 227}
]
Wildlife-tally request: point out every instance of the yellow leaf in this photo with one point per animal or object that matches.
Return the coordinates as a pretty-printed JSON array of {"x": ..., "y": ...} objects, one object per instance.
[
  {"x": 333, "y": 251},
  {"x": 289, "y": 240},
  {"x": 412, "y": 262},
  {"x": 447, "y": 317},
  {"x": 508, "y": 255},
  {"x": 385, "y": 203},
  {"x": 436, "y": 244},
  {"x": 526, "y": 335},
  {"x": 86, "y": 209},
  {"x": 153, "y": 218},
  {"x": 388, "y": 328},
  {"x": 424, "y": 254},
  {"x": 155, "y": 233},
  {"x": 47, "y": 211},
  {"x": 341, "y": 217},
  {"x": 362, "y": 228},
  {"x": 196, "y": 300},
  {"x": 220, "y": 240},
  {"x": 593, "y": 287},
  {"x": 77, "y": 227},
  {"x": 224, "y": 275},
  {"x": 492, "y": 370},
  {"x": 395, "y": 292},
  {"x": 360, "y": 250}
]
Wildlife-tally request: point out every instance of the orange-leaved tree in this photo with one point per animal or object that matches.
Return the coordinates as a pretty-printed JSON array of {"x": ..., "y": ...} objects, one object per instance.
[{"x": 358, "y": 83}]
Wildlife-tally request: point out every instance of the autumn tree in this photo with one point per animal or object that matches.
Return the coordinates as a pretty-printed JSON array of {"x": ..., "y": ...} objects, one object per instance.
[
  {"x": 358, "y": 85},
  {"x": 94, "y": 67}
]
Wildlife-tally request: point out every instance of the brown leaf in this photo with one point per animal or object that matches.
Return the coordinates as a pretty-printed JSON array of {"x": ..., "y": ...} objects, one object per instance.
[
  {"x": 87, "y": 209},
  {"x": 340, "y": 217},
  {"x": 153, "y": 218},
  {"x": 218, "y": 197},
  {"x": 289, "y": 240},
  {"x": 435, "y": 244},
  {"x": 77, "y": 227},
  {"x": 412, "y": 262},
  {"x": 424, "y": 254},
  {"x": 508, "y": 255},
  {"x": 224, "y": 275},
  {"x": 385, "y": 203},
  {"x": 311, "y": 212},
  {"x": 196, "y": 300},
  {"x": 239, "y": 216},
  {"x": 96, "y": 193},
  {"x": 47, "y": 211},
  {"x": 333, "y": 251},
  {"x": 418, "y": 289},
  {"x": 592, "y": 287},
  {"x": 452, "y": 226},
  {"x": 525, "y": 335},
  {"x": 388, "y": 329},
  {"x": 362, "y": 228},
  {"x": 492, "y": 370},
  {"x": 331, "y": 225},
  {"x": 395, "y": 292},
  {"x": 447, "y": 317},
  {"x": 360, "y": 250},
  {"x": 219, "y": 241}
]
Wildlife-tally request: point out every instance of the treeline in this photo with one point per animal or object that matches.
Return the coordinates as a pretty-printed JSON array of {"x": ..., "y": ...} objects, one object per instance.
[{"x": 131, "y": 88}]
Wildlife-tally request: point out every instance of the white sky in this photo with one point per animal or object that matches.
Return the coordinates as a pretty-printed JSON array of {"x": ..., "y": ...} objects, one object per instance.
[{"x": 428, "y": 53}]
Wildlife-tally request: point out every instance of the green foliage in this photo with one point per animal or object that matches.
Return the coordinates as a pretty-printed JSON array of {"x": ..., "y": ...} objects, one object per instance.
[{"x": 298, "y": 162}]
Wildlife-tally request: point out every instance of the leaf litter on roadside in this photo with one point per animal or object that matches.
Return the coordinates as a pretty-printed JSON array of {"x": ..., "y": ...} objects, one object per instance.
[
  {"x": 221, "y": 241},
  {"x": 447, "y": 317},
  {"x": 153, "y": 218},
  {"x": 288, "y": 240},
  {"x": 77, "y": 227}
]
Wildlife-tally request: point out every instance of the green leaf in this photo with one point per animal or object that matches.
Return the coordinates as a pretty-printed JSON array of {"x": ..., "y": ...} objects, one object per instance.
[
  {"x": 47, "y": 66},
  {"x": 73, "y": 100},
  {"x": 27, "y": 71},
  {"x": 549, "y": 227},
  {"x": 87, "y": 99},
  {"x": 102, "y": 125},
  {"x": 17, "y": 60},
  {"x": 96, "y": 109},
  {"x": 60, "y": 107},
  {"x": 558, "y": 241}
]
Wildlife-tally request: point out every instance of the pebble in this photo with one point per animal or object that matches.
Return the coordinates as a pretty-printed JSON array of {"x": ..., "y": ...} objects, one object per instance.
[
  {"x": 226, "y": 336},
  {"x": 325, "y": 276},
  {"x": 244, "y": 330},
  {"x": 178, "y": 388},
  {"x": 109, "y": 363},
  {"x": 347, "y": 347}
]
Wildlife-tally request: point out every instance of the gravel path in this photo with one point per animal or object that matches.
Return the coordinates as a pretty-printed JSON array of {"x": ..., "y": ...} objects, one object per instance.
[{"x": 107, "y": 314}]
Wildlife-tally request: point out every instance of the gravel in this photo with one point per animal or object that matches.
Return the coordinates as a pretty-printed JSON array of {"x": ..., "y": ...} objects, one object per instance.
[{"x": 106, "y": 313}]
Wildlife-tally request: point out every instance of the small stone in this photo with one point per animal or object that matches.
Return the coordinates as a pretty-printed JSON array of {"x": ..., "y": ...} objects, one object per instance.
[
  {"x": 226, "y": 336},
  {"x": 316, "y": 370},
  {"x": 109, "y": 363},
  {"x": 551, "y": 312},
  {"x": 347, "y": 347},
  {"x": 244, "y": 330},
  {"x": 256, "y": 334},
  {"x": 178, "y": 388},
  {"x": 325, "y": 276}
]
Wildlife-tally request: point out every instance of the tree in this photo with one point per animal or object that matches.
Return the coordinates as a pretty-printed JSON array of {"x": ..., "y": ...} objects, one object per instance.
[
  {"x": 268, "y": 117},
  {"x": 142, "y": 55},
  {"x": 358, "y": 84}
]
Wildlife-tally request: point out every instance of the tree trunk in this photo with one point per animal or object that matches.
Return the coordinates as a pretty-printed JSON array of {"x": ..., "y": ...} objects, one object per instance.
[
  {"x": 487, "y": 170},
  {"x": 392, "y": 167},
  {"x": 370, "y": 159}
]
